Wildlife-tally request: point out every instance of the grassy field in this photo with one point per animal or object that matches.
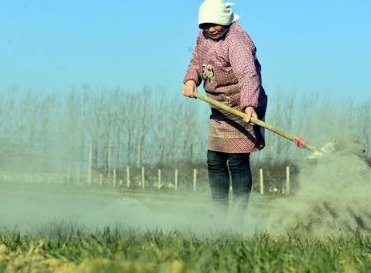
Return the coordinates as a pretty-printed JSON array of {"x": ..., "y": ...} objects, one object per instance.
[
  {"x": 54, "y": 228},
  {"x": 154, "y": 251}
]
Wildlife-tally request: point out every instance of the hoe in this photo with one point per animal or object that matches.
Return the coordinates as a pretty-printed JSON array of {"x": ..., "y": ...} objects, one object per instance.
[{"x": 328, "y": 147}]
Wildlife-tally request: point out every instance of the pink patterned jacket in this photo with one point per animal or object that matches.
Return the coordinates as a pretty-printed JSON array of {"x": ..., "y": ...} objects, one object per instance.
[{"x": 230, "y": 72}]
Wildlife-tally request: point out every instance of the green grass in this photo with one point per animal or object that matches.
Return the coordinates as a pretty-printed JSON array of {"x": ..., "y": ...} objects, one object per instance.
[
  {"x": 59, "y": 246},
  {"x": 68, "y": 250}
]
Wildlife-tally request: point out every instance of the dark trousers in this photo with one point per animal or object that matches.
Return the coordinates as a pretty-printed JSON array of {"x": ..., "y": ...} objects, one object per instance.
[{"x": 222, "y": 167}]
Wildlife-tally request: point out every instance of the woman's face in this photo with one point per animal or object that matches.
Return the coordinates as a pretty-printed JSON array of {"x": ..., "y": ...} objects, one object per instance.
[{"x": 213, "y": 31}]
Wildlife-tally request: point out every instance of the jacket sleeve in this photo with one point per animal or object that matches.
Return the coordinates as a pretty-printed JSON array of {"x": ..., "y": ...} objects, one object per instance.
[
  {"x": 194, "y": 68},
  {"x": 242, "y": 59}
]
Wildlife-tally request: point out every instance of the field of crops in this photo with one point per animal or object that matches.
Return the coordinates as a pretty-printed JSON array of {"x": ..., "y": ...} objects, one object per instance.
[
  {"x": 49, "y": 228},
  {"x": 114, "y": 250}
]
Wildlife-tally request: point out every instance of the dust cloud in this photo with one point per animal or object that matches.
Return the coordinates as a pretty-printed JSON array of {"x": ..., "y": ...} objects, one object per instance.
[
  {"x": 333, "y": 196},
  {"x": 40, "y": 209}
]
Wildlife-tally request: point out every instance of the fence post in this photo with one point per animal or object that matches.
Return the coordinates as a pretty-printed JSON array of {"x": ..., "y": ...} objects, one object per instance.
[
  {"x": 90, "y": 165},
  {"x": 288, "y": 189},
  {"x": 143, "y": 178},
  {"x": 128, "y": 177},
  {"x": 114, "y": 178},
  {"x": 194, "y": 179},
  {"x": 159, "y": 179},
  {"x": 261, "y": 181},
  {"x": 101, "y": 180},
  {"x": 176, "y": 179}
]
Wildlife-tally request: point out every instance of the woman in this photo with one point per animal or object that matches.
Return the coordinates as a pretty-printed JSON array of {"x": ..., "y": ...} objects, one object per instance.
[{"x": 225, "y": 60}]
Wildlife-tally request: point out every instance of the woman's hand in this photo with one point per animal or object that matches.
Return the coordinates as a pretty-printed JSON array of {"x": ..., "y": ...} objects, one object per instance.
[
  {"x": 189, "y": 88},
  {"x": 250, "y": 112}
]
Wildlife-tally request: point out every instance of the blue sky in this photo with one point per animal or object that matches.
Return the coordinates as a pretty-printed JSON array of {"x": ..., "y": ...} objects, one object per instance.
[{"x": 303, "y": 46}]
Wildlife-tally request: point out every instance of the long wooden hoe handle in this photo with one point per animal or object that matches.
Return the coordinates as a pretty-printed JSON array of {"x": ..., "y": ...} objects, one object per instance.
[{"x": 256, "y": 121}]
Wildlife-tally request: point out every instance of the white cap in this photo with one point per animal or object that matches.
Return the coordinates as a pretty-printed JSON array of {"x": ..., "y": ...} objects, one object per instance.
[{"x": 216, "y": 12}]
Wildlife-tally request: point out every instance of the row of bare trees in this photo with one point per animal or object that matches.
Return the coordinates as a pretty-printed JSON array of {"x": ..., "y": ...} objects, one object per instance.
[
  {"x": 149, "y": 127},
  {"x": 153, "y": 127}
]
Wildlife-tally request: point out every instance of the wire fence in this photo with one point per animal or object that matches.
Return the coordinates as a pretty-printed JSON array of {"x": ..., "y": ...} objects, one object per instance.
[{"x": 144, "y": 179}]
